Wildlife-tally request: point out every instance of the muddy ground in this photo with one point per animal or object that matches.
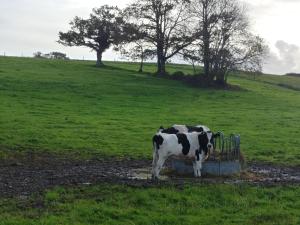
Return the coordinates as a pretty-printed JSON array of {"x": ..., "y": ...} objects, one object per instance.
[{"x": 22, "y": 177}]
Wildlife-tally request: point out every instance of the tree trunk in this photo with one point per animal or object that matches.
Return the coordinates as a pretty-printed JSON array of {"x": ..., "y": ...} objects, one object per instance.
[
  {"x": 161, "y": 61},
  {"x": 158, "y": 64},
  {"x": 206, "y": 57},
  {"x": 206, "y": 62},
  {"x": 220, "y": 79},
  {"x": 206, "y": 43},
  {"x": 161, "y": 70},
  {"x": 194, "y": 68},
  {"x": 161, "y": 65},
  {"x": 99, "y": 62},
  {"x": 141, "y": 65}
]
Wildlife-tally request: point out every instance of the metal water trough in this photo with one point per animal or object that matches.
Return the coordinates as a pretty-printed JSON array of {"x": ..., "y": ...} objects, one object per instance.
[{"x": 225, "y": 161}]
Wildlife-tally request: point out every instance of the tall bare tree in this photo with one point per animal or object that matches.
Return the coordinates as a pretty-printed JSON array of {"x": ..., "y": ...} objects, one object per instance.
[
  {"x": 134, "y": 46},
  {"x": 104, "y": 28},
  {"x": 166, "y": 25},
  {"x": 137, "y": 51},
  {"x": 191, "y": 55},
  {"x": 225, "y": 40}
]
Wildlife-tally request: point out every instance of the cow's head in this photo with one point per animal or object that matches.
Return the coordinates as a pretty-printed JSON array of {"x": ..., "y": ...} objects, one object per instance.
[{"x": 207, "y": 142}]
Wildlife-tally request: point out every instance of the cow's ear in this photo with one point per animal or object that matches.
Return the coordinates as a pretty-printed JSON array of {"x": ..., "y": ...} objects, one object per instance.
[{"x": 161, "y": 128}]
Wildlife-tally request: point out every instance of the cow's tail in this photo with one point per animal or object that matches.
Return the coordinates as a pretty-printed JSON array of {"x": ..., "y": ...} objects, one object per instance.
[
  {"x": 155, "y": 151},
  {"x": 157, "y": 142}
]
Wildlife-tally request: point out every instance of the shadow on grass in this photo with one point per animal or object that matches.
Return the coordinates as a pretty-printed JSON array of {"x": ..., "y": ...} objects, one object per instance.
[
  {"x": 288, "y": 87},
  {"x": 194, "y": 81},
  {"x": 115, "y": 68}
]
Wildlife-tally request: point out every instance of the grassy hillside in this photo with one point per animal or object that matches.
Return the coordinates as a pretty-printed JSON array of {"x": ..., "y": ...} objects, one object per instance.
[
  {"x": 72, "y": 106},
  {"x": 289, "y": 82}
]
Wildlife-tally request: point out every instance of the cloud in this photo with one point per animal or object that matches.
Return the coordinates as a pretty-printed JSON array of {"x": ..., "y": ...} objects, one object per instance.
[
  {"x": 288, "y": 1},
  {"x": 267, "y": 8},
  {"x": 285, "y": 59},
  {"x": 28, "y": 26}
]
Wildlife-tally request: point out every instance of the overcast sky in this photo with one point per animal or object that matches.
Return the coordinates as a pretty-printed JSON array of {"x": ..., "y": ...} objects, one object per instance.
[{"x": 27, "y": 26}]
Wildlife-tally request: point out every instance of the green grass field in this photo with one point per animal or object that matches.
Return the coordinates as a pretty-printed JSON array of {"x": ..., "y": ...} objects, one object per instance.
[
  {"x": 74, "y": 107},
  {"x": 207, "y": 204}
]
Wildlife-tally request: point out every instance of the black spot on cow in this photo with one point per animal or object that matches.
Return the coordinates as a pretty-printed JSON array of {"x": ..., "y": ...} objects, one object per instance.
[
  {"x": 182, "y": 139},
  {"x": 157, "y": 140},
  {"x": 198, "y": 152},
  {"x": 194, "y": 129},
  {"x": 170, "y": 130},
  {"x": 203, "y": 141}
]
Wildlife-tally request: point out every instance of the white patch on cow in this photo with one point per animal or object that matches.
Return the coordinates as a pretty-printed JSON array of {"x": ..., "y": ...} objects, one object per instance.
[
  {"x": 183, "y": 128},
  {"x": 209, "y": 136},
  {"x": 209, "y": 144},
  {"x": 180, "y": 128}
]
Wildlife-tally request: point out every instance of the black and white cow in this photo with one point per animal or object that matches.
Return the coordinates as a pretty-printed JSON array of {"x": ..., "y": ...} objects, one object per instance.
[
  {"x": 175, "y": 129},
  {"x": 195, "y": 145}
]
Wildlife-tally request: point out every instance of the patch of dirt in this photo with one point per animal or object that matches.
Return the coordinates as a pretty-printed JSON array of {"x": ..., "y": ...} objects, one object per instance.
[
  {"x": 35, "y": 174},
  {"x": 269, "y": 173}
]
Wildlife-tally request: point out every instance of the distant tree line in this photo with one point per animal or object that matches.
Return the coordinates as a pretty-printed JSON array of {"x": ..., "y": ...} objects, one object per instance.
[
  {"x": 212, "y": 33},
  {"x": 51, "y": 55},
  {"x": 293, "y": 74}
]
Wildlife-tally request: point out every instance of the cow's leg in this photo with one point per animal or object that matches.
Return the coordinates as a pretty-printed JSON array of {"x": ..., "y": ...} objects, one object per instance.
[
  {"x": 198, "y": 164},
  {"x": 159, "y": 165},
  {"x": 198, "y": 168},
  {"x": 195, "y": 169},
  {"x": 155, "y": 158},
  {"x": 154, "y": 165}
]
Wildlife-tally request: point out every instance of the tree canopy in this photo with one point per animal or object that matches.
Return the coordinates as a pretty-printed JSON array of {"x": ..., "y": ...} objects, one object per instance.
[{"x": 104, "y": 28}]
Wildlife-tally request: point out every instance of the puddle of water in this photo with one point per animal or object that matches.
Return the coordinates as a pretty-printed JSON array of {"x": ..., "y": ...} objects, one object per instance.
[
  {"x": 141, "y": 174},
  {"x": 145, "y": 174},
  {"x": 256, "y": 175}
]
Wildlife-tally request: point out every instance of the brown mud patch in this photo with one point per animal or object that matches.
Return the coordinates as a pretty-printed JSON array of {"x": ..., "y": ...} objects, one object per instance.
[{"x": 22, "y": 177}]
